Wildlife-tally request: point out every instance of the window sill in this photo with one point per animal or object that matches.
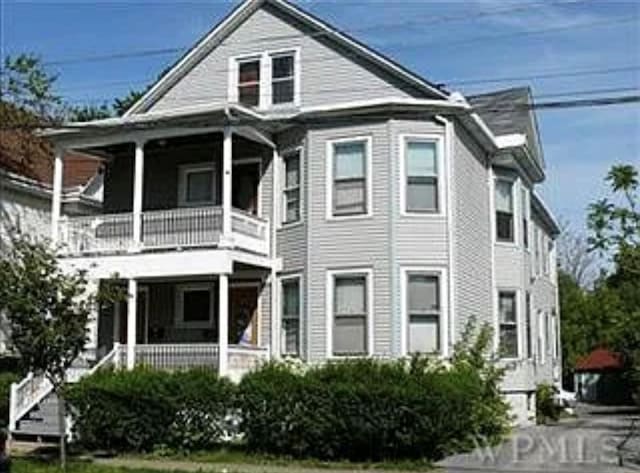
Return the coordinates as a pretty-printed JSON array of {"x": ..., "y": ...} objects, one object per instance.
[
  {"x": 423, "y": 215},
  {"x": 340, "y": 218},
  {"x": 289, "y": 225}
]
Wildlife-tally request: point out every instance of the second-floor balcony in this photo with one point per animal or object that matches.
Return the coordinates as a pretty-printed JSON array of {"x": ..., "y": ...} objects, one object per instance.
[{"x": 179, "y": 228}]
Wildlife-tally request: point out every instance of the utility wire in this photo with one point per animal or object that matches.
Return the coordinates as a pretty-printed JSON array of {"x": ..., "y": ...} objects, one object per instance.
[{"x": 428, "y": 20}]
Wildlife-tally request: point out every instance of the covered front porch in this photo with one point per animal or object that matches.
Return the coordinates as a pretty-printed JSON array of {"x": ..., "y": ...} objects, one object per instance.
[{"x": 217, "y": 321}]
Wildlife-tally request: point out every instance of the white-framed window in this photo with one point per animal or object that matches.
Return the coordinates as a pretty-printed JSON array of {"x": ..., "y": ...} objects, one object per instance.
[
  {"x": 196, "y": 184},
  {"x": 265, "y": 79},
  {"x": 195, "y": 305},
  {"x": 349, "y": 296},
  {"x": 422, "y": 174},
  {"x": 545, "y": 254},
  {"x": 283, "y": 78},
  {"x": 291, "y": 196},
  {"x": 536, "y": 250},
  {"x": 504, "y": 209},
  {"x": 248, "y": 81},
  {"x": 349, "y": 177},
  {"x": 524, "y": 216},
  {"x": 542, "y": 341},
  {"x": 528, "y": 325},
  {"x": 508, "y": 323},
  {"x": 290, "y": 287}
]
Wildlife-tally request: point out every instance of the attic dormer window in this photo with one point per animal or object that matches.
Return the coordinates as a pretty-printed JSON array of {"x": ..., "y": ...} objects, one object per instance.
[
  {"x": 282, "y": 78},
  {"x": 249, "y": 82}
]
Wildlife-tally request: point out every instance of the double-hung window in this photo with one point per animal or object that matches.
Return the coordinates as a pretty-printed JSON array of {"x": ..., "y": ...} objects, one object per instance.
[
  {"x": 282, "y": 78},
  {"x": 504, "y": 210},
  {"x": 508, "y": 320},
  {"x": 350, "y": 314},
  {"x": 349, "y": 167},
  {"x": 196, "y": 185},
  {"x": 525, "y": 218},
  {"x": 291, "y": 316},
  {"x": 249, "y": 82},
  {"x": 291, "y": 190},
  {"x": 421, "y": 176},
  {"x": 423, "y": 312},
  {"x": 529, "y": 331}
]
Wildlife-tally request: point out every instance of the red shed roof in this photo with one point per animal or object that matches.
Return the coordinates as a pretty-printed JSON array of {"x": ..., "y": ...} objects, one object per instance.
[{"x": 599, "y": 360}]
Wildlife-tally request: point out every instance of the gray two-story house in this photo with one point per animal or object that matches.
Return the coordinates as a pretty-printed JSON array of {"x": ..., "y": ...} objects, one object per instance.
[{"x": 284, "y": 190}]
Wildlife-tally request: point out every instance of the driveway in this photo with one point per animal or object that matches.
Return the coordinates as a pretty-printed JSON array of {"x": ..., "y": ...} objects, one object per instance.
[{"x": 586, "y": 444}]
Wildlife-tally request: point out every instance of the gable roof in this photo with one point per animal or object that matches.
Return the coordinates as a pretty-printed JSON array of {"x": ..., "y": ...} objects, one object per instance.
[
  {"x": 508, "y": 112},
  {"x": 238, "y": 15}
]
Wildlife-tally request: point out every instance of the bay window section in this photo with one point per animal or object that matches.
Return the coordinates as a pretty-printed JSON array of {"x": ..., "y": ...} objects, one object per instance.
[
  {"x": 508, "y": 320},
  {"x": 249, "y": 82},
  {"x": 350, "y": 309},
  {"x": 349, "y": 167},
  {"x": 291, "y": 191},
  {"x": 504, "y": 210},
  {"x": 423, "y": 312},
  {"x": 421, "y": 185},
  {"x": 291, "y": 316},
  {"x": 282, "y": 78}
]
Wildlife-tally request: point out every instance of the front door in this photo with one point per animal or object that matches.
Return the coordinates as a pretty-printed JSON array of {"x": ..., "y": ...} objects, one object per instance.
[
  {"x": 245, "y": 181},
  {"x": 243, "y": 315}
]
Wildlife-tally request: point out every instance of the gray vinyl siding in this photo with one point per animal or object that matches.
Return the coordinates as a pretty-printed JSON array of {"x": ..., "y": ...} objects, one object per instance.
[
  {"x": 328, "y": 76},
  {"x": 361, "y": 242},
  {"x": 416, "y": 240},
  {"x": 472, "y": 233}
]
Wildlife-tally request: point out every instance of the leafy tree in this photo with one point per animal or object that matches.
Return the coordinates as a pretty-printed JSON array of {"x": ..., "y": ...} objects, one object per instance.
[
  {"x": 28, "y": 85},
  {"x": 48, "y": 310},
  {"x": 87, "y": 113},
  {"x": 576, "y": 258},
  {"x": 121, "y": 105},
  {"x": 616, "y": 224}
]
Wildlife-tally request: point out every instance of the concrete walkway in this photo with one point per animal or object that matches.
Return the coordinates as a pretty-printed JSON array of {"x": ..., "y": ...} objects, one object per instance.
[{"x": 586, "y": 444}]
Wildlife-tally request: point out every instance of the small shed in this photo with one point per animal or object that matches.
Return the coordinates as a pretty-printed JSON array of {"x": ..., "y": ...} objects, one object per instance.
[{"x": 599, "y": 378}]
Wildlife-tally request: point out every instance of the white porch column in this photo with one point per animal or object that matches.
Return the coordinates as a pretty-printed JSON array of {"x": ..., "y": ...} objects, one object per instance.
[
  {"x": 275, "y": 315},
  {"x": 91, "y": 346},
  {"x": 132, "y": 315},
  {"x": 223, "y": 324},
  {"x": 56, "y": 201},
  {"x": 138, "y": 189},
  {"x": 227, "y": 170}
]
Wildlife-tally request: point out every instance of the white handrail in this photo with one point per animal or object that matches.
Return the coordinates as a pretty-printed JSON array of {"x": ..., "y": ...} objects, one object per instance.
[
  {"x": 30, "y": 392},
  {"x": 161, "y": 229}
]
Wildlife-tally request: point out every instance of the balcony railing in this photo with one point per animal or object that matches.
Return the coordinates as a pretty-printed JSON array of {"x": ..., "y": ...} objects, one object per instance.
[
  {"x": 162, "y": 229},
  {"x": 179, "y": 356}
]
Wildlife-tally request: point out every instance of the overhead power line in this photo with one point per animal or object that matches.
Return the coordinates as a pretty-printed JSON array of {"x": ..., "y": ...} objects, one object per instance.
[{"x": 420, "y": 20}]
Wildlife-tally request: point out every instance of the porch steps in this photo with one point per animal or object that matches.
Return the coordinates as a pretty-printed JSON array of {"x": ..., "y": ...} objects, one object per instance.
[{"x": 41, "y": 423}]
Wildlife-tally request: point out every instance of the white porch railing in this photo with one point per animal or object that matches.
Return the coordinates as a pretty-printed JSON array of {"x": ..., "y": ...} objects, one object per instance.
[
  {"x": 162, "y": 229},
  {"x": 176, "y": 356},
  {"x": 29, "y": 392}
]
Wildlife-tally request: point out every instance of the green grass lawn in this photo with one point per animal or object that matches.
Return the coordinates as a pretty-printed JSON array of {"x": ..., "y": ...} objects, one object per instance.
[{"x": 21, "y": 465}]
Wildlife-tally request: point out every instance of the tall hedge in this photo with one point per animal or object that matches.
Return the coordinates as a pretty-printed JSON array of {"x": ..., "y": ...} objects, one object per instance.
[
  {"x": 141, "y": 410},
  {"x": 360, "y": 410}
]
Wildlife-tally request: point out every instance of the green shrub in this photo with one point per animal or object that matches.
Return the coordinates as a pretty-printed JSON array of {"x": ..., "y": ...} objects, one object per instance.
[
  {"x": 144, "y": 409},
  {"x": 546, "y": 408},
  {"x": 6, "y": 379},
  {"x": 371, "y": 410}
]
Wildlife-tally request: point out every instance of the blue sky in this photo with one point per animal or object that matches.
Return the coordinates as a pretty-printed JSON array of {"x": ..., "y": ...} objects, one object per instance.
[{"x": 580, "y": 144}]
